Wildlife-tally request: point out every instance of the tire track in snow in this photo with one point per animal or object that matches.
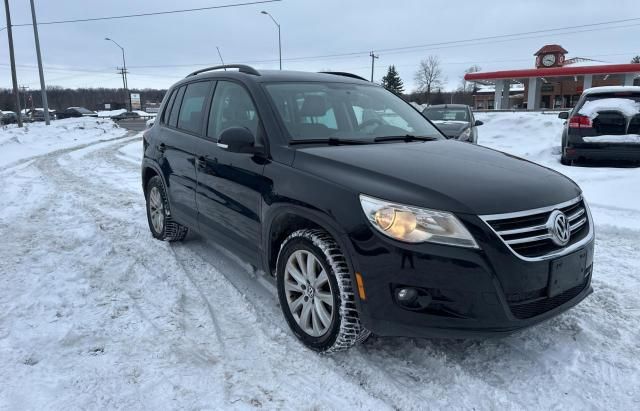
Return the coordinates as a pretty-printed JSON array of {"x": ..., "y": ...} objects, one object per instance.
[{"x": 103, "y": 205}]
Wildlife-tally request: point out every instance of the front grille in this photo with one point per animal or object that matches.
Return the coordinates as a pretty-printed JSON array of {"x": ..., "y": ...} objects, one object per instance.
[
  {"x": 528, "y": 234},
  {"x": 531, "y": 309}
]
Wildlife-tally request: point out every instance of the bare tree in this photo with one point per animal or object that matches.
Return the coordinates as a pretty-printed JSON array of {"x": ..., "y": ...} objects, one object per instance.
[
  {"x": 429, "y": 76},
  {"x": 466, "y": 86}
]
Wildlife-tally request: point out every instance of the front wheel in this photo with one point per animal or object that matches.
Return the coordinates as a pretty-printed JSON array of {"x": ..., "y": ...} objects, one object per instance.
[{"x": 316, "y": 292}]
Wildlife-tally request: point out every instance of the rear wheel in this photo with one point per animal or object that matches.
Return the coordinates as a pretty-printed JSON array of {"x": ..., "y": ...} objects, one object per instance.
[
  {"x": 316, "y": 294},
  {"x": 160, "y": 222}
]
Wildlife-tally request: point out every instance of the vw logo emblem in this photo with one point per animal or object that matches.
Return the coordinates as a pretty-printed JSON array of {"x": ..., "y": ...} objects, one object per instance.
[{"x": 559, "y": 228}]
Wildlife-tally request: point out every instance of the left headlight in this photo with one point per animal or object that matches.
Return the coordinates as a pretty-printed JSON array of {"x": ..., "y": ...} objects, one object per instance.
[
  {"x": 414, "y": 224},
  {"x": 465, "y": 134}
]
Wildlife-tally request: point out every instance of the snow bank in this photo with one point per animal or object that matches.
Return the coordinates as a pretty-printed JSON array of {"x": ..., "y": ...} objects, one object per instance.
[
  {"x": 33, "y": 139},
  {"x": 627, "y": 106},
  {"x": 111, "y": 113}
]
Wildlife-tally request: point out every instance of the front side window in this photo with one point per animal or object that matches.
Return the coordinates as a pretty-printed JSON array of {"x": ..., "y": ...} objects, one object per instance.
[
  {"x": 231, "y": 107},
  {"x": 321, "y": 110},
  {"x": 192, "y": 108}
]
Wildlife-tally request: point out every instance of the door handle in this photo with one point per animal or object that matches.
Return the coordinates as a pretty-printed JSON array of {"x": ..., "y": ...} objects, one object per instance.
[
  {"x": 201, "y": 162},
  {"x": 161, "y": 147}
]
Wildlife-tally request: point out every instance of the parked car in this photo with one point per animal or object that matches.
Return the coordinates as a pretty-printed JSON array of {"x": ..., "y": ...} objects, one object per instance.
[
  {"x": 8, "y": 117},
  {"x": 76, "y": 112},
  {"x": 364, "y": 226},
  {"x": 37, "y": 114},
  {"x": 604, "y": 125},
  {"x": 456, "y": 121},
  {"x": 127, "y": 115}
]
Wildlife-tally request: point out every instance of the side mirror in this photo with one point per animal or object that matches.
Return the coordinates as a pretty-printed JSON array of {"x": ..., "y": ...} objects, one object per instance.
[
  {"x": 563, "y": 115},
  {"x": 478, "y": 123},
  {"x": 237, "y": 140}
]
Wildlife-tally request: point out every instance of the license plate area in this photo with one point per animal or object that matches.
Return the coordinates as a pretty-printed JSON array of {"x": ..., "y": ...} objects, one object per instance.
[{"x": 567, "y": 272}]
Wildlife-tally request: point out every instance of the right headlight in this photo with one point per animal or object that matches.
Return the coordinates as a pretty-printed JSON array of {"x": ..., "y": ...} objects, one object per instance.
[
  {"x": 465, "y": 134},
  {"x": 415, "y": 224}
]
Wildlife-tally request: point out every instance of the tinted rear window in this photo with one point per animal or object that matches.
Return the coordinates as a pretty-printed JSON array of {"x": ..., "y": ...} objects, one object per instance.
[{"x": 175, "y": 109}]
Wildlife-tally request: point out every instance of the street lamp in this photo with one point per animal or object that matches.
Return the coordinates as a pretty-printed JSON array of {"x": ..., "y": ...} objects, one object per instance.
[
  {"x": 124, "y": 72},
  {"x": 279, "y": 38}
]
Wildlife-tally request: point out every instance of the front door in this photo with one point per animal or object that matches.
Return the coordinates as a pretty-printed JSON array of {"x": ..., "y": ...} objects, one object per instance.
[{"x": 231, "y": 185}]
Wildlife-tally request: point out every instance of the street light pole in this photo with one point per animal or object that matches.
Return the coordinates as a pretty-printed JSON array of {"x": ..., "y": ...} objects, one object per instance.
[
  {"x": 43, "y": 88},
  {"x": 124, "y": 73},
  {"x": 14, "y": 77},
  {"x": 279, "y": 37}
]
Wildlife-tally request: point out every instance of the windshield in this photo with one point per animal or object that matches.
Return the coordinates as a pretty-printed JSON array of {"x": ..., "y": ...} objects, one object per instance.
[
  {"x": 338, "y": 110},
  {"x": 446, "y": 114}
]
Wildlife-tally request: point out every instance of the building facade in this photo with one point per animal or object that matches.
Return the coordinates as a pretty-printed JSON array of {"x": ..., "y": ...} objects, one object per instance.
[{"x": 556, "y": 82}]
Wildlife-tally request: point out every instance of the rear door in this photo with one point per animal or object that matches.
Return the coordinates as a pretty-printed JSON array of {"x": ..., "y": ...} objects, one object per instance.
[
  {"x": 179, "y": 134},
  {"x": 231, "y": 185}
]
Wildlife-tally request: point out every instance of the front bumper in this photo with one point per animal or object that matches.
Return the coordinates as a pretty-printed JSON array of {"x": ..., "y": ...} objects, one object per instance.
[{"x": 475, "y": 292}]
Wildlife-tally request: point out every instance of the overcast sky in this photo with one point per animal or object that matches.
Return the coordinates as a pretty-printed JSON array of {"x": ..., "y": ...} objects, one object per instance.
[{"x": 309, "y": 28}]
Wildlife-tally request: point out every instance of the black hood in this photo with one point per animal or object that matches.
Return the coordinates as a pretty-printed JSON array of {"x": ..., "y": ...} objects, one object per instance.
[
  {"x": 444, "y": 175},
  {"x": 451, "y": 128}
]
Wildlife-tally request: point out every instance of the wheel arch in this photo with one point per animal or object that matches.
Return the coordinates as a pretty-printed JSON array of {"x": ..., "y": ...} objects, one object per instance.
[
  {"x": 150, "y": 170},
  {"x": 282, "y": 220}
]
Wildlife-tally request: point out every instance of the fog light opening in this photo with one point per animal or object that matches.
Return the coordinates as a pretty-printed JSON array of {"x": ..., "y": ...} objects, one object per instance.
[{"x": 412, "y": 298}]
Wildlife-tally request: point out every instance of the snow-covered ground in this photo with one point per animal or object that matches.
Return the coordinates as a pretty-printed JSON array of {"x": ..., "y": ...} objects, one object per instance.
[{"x": 96, "y": 314}]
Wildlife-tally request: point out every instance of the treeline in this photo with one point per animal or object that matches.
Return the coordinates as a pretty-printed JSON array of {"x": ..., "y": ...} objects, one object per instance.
[{"x": 92, "y": 98}]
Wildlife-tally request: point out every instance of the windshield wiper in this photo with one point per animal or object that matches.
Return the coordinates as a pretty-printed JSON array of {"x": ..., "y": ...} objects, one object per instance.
[
  {"x": 407, "y": 138},
  {"x": 332, "y": 141}
]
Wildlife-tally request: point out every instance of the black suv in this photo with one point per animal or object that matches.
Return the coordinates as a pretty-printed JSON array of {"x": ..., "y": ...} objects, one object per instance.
[
  {"x": 366, "y": 216},
  {"x": 604, "y": 125}
]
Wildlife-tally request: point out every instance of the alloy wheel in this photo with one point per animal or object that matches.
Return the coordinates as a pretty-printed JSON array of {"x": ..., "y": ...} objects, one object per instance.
[
  {"x": 308, "y": 293},
  {"x": 156, "y": 209}
]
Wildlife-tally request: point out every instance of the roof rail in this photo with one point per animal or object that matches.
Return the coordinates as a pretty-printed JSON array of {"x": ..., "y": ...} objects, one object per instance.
[
  {"x": 241, "y": 67},
  {"x": 342, "y": 73}
]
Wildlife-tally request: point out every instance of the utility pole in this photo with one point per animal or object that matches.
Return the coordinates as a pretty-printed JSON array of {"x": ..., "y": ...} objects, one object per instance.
[
  {"x": 373, "y": 59},
  {"x": 27, "y": 97},
  {"x": 14, "y": 77},
  {"x": 123, "y": 72},
  {"x": 43, "y": 88}
]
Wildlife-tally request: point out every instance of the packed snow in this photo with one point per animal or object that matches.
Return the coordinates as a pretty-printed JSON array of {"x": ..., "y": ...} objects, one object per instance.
[
  {"x": 96, "y": 314},
  {"x": 626, "y": 106},
  {"x": 616, "y": 138}
]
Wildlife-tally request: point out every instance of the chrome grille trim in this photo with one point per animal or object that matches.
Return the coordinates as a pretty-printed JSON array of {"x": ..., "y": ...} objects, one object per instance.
[{"x": 577, "y": 219}]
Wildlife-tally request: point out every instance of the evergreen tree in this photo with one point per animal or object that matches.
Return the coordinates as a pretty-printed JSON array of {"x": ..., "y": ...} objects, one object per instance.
[
  {"x": 635, "y": 60},
  {"x": 392, "y": 81}
]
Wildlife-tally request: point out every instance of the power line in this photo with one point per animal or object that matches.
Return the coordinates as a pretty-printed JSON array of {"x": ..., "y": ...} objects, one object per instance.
[
  {"x": 156, "y": 13},
  {"x": 425, "y": 47}
]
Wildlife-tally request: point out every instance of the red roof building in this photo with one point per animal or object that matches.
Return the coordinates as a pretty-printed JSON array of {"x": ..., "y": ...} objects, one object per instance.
[{"x": 555, "y": 82}]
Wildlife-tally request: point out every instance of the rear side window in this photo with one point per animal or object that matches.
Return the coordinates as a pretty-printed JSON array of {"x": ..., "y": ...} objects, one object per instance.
[
  {"x": 167, "y": 109},
  {"x": 175, "y": 109},
  {"x": 192, "y": 108}
]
